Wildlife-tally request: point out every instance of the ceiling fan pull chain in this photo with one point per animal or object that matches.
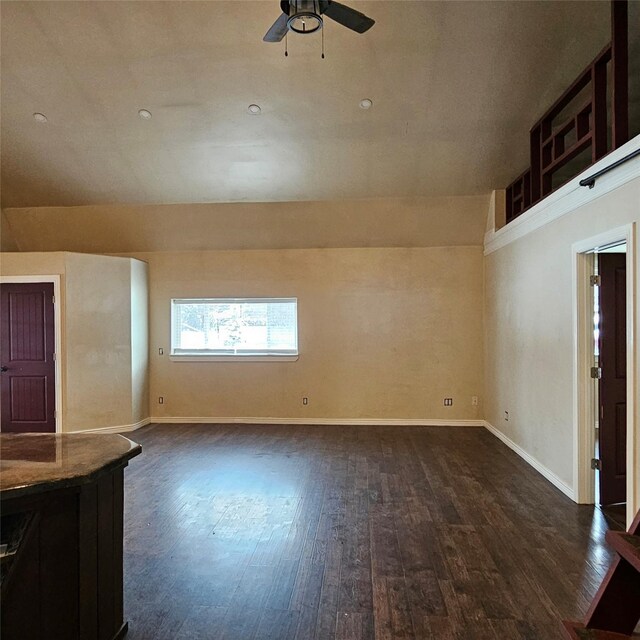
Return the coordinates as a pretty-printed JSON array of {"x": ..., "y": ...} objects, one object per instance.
[
  {"x": 286, "y": 45},
  {"x": 322, "y": 43}
]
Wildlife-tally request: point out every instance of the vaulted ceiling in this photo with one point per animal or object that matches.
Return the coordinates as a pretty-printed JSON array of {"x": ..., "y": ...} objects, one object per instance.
[{"x": 455, "y": 88}]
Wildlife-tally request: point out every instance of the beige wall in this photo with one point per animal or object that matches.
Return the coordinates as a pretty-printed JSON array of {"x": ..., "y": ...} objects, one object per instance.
[
  {"x": 139, "y": 340},
  {"x": 529, "y": 346},
  {"x": 385, "y": 222},
  {"x": 7, "y": 241},
  {"x": 103, "y": 379},
  {"x": 421, "y": 343},
  {"x": 98, "y": 339},
  {"x": 383, "y": 333},
  {"x": 22, "y": 264}
]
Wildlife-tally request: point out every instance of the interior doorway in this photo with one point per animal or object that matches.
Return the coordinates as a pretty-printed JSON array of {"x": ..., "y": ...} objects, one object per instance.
[
  {"x": 610, "y": 387},
  {"x": 605, "y": 388},
  {"x": 28, "y": 371}
]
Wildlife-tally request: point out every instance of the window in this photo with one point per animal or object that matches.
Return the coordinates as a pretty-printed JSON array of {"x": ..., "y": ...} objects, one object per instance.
[{"x": 234, "y": 327}]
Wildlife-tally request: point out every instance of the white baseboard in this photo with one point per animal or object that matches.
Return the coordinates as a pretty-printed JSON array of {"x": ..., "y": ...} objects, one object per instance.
[
  {"x": 415, "y": 422},
  {"x": 123, "y": 428},
  {"x": 536, "y": 464}
]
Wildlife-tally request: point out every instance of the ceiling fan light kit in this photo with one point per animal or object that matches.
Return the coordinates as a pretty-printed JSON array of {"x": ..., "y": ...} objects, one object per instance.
[{"x": 306, "y": 16}]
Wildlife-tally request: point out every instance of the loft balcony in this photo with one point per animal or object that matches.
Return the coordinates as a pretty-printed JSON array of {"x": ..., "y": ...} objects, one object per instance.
[{"x": 597, "y": 113}]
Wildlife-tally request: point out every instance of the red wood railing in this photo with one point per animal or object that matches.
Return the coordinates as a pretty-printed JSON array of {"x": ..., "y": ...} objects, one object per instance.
[
  {"x": 615, "y": 610},
  {"x": 553, "y": 145}
]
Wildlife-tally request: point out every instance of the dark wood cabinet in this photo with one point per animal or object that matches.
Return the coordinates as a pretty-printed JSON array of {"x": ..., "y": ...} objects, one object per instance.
[{"x": 63, "y": 579}]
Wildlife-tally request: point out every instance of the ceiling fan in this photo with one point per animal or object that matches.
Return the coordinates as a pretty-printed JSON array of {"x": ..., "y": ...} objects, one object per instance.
[{"x": 305, "y": 16}]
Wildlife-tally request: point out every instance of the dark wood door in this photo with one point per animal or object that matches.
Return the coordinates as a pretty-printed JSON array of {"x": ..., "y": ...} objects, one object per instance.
[
  {"x": 613, "y": 381},
  {"x": 27, "y": 346}
]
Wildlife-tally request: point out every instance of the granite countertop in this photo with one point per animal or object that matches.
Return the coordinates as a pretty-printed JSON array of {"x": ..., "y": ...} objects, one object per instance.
[{"x": 31, "y": 463}]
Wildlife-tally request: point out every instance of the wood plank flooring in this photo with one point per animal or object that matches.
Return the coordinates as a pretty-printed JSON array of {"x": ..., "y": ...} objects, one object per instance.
[{"x": 255, "y": 532}]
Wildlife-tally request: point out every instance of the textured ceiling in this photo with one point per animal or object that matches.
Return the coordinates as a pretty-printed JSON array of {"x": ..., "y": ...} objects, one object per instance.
[{"x": 455, "y": 86}]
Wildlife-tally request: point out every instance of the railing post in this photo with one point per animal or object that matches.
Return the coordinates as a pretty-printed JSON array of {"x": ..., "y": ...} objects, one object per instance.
[
  {"x": 599, "y": 99},
  {"x": 620, "y": 72},
  {"x": 535, "y": 155}
]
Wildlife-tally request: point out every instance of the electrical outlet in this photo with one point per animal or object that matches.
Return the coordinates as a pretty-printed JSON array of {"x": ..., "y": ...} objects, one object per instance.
[
  {"x": 160, "y": 399},
  {"x": 474, "y": 401},
  {"x": 448, "y": 402},
  {"x": 305, "y": 401},
  {"x": 506, "y": 416}
]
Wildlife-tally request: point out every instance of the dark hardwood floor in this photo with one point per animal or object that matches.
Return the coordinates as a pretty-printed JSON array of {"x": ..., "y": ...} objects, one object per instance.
[
  {"x": 256, "y": 531},
  {"x": 615, "y": 515}
]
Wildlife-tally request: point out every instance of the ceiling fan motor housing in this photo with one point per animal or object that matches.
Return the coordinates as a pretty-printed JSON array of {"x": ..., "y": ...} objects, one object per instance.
[{"x": 304, "y": 15}]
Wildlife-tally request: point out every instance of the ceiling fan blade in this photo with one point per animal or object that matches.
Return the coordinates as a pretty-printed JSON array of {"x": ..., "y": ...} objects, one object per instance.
[
  {"x": 278, "y": 29},
  {"x": 348, "y": 17}
]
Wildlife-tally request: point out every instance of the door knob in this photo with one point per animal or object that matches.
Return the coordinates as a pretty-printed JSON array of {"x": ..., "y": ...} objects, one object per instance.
[{"x": 3, "y": 369}]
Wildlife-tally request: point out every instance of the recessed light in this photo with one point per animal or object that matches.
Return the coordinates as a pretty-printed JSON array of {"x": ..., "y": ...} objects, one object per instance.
[
  {"x": 40, "y": 117},
  {"x": 366, "y": 103},
  {"x": 144, "y": 114},
  {"x": 254, "y": 109}
]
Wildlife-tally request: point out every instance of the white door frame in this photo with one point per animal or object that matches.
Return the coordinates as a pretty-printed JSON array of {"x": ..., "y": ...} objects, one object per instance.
[
  {"x": 583, "y": 387},
  {"x": 57, "y": 313}
]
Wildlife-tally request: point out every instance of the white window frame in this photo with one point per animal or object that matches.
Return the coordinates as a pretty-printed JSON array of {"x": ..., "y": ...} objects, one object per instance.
[{"x": 178, "y": 355}]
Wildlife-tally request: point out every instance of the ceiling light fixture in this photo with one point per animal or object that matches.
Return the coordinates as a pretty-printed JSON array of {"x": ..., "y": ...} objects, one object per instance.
[
  {"x": 40, "y": 117},
  {"x": 304, "y": 16},
  {"x": 254, "y": 109},
  {"x": 366, "y": 103},
  {"x": 144, "y": 114}
]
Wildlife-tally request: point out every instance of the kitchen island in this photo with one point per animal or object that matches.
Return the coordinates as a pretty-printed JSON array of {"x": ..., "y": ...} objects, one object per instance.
[{"x": 61, "y": 506}]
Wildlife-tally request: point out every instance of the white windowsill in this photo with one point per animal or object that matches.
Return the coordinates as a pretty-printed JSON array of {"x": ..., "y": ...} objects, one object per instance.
[{"x": 209, "y": 358}]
